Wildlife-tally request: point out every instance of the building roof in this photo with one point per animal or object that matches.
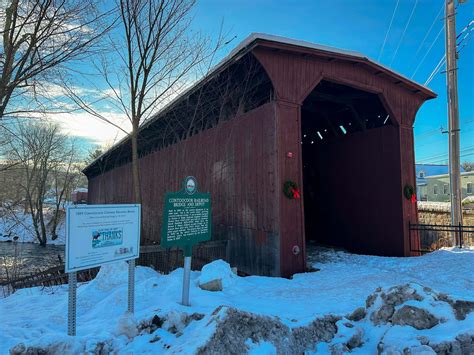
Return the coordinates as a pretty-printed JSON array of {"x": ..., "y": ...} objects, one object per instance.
[
  {"x": 255, "y": 38},
  {"x": 463, "y": 173},
  {"x": 262, "y": 39},
  {"x": 431, "y": 170}
]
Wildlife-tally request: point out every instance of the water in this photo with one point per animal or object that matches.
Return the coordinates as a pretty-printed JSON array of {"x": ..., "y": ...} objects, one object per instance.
[{"x": 19, "y": 259}]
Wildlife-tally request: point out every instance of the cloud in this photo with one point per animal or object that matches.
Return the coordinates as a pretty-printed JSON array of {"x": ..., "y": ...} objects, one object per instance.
[{"x": 84, "y": 125}]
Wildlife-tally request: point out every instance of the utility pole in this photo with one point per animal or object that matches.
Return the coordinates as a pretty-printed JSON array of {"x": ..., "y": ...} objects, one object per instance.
[{"x": 453, "y": 117}]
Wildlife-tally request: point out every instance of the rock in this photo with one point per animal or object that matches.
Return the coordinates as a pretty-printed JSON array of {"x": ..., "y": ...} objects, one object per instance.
[
  {"x": 419, "y": 350},
  {"x": 369, "y": 302},
  {"x": 173, "y": 329},
  {"x": 157, "y": 321},
  {"x": 383, "y": 314},
  {"x": 388, "y": 350},
  {"x": 155, "y": 339},
  {"x": 466, "y": 343},
  {"x": 233, "y": 328},
  {"x": 423, "y": 340},
  {"x": 21, "y": 349},
  {"x": 338, "y": 349},
  {"x": 18, "y": 349},
  {"x": 355, "y": 341},
  {"x": 102, "y": 348},
  {"x": 216, "y": 275},
  {"x": 197, "y": 316},
  {"x": 214, "y": 285},
  {"x": 462, "y": 309},
  {"x": 463, "y": 344},
  {"x": 415, "y": 317},
  {"x": 357, "y": 315},
  {"x": 176, "y": 321},
  {"x": 400, "y": 294}
]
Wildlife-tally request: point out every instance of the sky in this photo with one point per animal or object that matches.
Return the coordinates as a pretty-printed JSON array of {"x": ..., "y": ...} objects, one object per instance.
[
  {"x": 362, "y": 25},
  {"x": 404, "y": 35}
]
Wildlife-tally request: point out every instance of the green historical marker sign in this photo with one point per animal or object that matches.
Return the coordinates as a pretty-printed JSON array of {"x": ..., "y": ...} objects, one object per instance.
[{"x": 186, "y": 217}]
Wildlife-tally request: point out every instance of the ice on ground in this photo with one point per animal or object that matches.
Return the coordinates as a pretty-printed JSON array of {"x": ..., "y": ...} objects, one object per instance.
[{"x": 37, "y": 318}]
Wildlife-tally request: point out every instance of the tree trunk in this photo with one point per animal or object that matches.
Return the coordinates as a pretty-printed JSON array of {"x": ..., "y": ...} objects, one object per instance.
[
  {"x": 135, "y": 168},
  {"x": 42, "y": 225}
]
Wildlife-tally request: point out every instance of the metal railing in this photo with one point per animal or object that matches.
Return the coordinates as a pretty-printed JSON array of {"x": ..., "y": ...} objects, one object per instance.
[{"x": 425, "y": 238}]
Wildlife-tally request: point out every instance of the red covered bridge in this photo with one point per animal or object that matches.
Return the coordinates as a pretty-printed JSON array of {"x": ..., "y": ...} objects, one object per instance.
[{"x": 334, "y": 122}]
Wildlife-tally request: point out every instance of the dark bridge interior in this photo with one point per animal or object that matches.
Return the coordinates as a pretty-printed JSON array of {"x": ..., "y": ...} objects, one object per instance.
[{"x": 349, "y": 143}]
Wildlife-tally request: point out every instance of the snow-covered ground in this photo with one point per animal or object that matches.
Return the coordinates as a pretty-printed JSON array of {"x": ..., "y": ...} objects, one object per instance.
[
  {"x": 313, "y": 312},
  {"x": 19, "y": 224}
]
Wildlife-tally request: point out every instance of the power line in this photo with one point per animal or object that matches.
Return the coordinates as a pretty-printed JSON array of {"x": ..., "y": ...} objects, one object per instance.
[
  {"x": 432, "y": 132},
  {"x": 388, "y": 30},
  {"x": 443, "y": 59},
  {"x": 445, "y": 160},
  {"x": 404, "y": 31},
  {"x": 427, "y": 52},
  {"x": 466, "y": 150},
  {"x": 429, "y": 30}
]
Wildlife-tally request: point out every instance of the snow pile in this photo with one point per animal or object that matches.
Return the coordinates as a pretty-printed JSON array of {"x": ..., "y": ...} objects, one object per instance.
[
  {"x": 433, "y": 206},
  {"x": 216, "y": 275},
  {"x": 127, "y": 326},
  {"x": 358, "y": 304},
  {"x": 468, "y": 201}
]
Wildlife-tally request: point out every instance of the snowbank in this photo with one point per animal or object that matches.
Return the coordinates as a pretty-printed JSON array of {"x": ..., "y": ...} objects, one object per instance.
[
  {"x": 329, "y": 310},
  {"x": 20, "y": 225}
]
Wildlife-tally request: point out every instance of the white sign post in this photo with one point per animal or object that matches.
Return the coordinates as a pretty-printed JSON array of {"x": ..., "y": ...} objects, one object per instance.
[{"x": 98, "y": 235}]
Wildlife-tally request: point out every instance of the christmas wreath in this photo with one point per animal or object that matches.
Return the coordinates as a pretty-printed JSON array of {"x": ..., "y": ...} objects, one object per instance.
[
  {"x": 410, "y": 193},
  {"x": 291, "y": 190}
]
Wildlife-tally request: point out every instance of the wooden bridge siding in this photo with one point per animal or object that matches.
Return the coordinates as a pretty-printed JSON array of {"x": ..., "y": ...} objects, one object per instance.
[
  {"x": 236, "y": 162},
  {"x": 294, "y": 75}
]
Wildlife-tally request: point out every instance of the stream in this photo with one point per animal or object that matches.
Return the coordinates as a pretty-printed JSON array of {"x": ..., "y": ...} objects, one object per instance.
[{"x": 19, "y": 259}]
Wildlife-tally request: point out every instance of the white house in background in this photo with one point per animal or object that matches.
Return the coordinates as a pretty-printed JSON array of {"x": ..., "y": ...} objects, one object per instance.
[
  {"x": 424, "y": 171},
  {"x": 438, "y": 188}
]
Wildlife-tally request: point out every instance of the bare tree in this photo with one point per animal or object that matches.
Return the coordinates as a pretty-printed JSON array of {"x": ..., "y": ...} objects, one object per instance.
[
  {"x": 47, "y": 163},
  {"x": 154, "y": 54},
  {"x": 39, "y": 38}
]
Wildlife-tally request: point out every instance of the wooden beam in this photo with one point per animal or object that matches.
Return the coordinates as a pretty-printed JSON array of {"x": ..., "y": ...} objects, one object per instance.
[
  {"x": 331, "y": 125},
  {"x": 344, "y": 99},
  {"x": 360, "y": 120}
]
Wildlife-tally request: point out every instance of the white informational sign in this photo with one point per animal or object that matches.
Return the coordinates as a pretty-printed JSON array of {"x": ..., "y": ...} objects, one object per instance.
[{"x": 101, "y": 234}]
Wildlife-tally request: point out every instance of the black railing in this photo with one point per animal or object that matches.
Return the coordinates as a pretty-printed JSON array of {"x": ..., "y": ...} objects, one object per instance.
[{"x": 425, "y": 238}]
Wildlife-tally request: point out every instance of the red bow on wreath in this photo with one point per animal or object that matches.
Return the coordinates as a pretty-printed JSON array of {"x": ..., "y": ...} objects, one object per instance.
[
  {"x": 291, "y": 190},
  {"x": 413, "y": 198},
  {"x": 296, "y": 193}
]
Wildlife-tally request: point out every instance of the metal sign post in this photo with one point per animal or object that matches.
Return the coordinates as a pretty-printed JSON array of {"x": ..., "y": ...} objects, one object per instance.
[
  {"x": 186, "y": 276},
  {"x": 97, "y": 235},
  {"x": 71, "y": 308},
  {"x": 186, "y": 221},
  {"x": 131, "y": 286}
]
